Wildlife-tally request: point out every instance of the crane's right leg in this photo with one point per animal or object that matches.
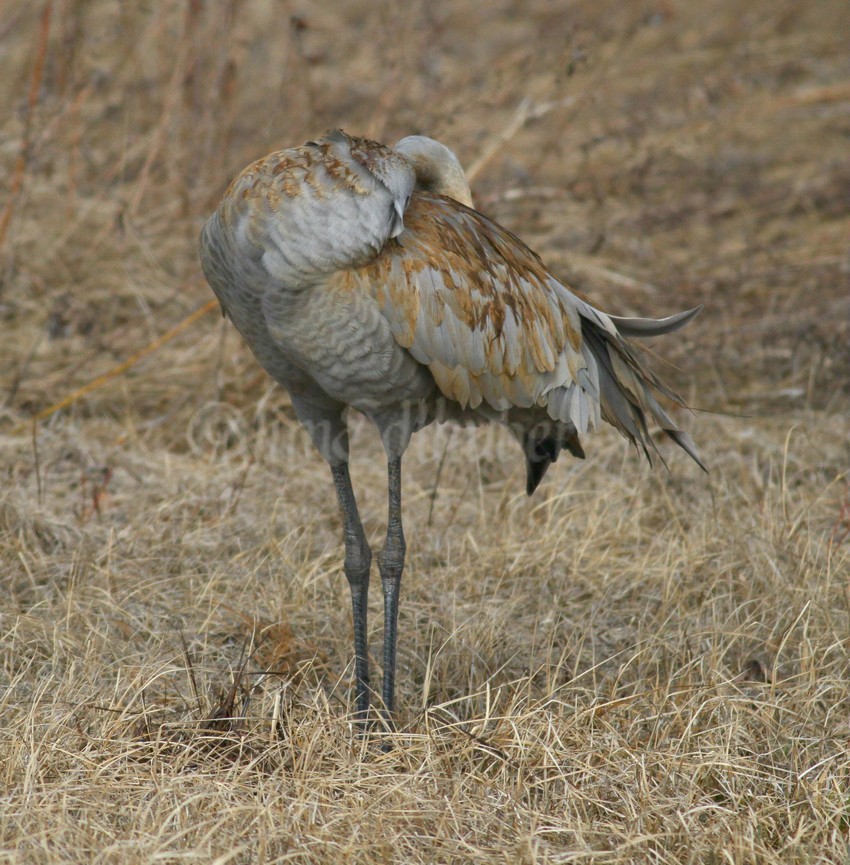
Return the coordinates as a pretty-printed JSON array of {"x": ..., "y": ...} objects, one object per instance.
[
  {"x": 324, "y": 420},
  {"x": 358, "y": 563}
]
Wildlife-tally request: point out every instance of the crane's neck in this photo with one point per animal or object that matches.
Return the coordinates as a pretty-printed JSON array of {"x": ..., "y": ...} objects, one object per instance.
[{"x": 436, "y": 167}]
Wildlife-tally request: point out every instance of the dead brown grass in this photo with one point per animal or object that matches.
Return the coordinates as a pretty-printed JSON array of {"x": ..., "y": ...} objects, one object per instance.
[{"x": 632, "y": 666}]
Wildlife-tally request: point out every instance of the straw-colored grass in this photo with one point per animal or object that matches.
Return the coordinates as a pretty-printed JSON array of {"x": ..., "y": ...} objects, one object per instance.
[{"x": 634, "y": 665}]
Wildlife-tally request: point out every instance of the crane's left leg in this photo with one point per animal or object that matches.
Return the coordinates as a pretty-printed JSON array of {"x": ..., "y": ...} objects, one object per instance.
[{"x": 390, "y": 565}]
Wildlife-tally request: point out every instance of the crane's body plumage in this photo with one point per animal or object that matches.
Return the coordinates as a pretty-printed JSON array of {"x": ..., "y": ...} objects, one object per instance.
[{"x": 361, "y": 277}]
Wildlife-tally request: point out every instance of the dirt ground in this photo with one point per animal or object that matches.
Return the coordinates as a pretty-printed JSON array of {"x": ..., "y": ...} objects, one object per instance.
[{"x": 634, "y": 665}]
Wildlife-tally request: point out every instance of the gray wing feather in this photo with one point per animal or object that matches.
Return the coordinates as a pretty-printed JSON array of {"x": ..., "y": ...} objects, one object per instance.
[{"x": 642, "y": 328}]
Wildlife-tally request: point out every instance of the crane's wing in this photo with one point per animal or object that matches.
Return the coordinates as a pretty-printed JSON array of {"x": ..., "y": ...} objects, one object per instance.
[{"x": 474, "y": 304}]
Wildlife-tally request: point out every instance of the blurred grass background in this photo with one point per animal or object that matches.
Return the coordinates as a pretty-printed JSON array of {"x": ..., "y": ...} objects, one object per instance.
[{"x": 631, "y": 666}]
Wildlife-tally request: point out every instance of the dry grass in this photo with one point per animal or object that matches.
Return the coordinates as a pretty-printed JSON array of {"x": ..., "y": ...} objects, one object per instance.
[{"x": 633, "y": 666}]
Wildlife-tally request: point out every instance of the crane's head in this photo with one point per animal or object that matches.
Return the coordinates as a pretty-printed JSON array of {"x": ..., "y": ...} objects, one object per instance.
[{"x": 437, "y": 169}]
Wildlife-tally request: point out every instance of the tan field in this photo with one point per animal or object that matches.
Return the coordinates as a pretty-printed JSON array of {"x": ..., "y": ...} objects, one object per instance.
[{"x": 636, "y": 664}]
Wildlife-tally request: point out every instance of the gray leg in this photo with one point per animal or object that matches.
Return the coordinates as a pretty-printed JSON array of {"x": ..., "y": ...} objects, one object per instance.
[
  {"x": 391, "y": 564},
  {"x": 358, "y": 562}
]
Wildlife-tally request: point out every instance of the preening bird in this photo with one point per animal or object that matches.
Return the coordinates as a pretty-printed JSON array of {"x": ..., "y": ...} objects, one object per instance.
[{"x": 361, "y": 277}]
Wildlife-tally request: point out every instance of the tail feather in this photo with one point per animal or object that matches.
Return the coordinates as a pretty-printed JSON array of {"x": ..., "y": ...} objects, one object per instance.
[
  {"x": 686, "y": 443},
  {"x": 626, "y": 389},
  {"x": 626, "y": 395},
  {"x": 683, "y": 439},
  {"x": 641, "y": 328}
]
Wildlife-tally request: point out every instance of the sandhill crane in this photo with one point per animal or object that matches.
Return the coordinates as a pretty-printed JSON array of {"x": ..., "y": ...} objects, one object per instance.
[{"x": 360, "y": 276}]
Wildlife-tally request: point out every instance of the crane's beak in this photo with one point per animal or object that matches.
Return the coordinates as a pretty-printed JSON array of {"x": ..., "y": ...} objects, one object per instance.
[{"x": 398, "y": 218}]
